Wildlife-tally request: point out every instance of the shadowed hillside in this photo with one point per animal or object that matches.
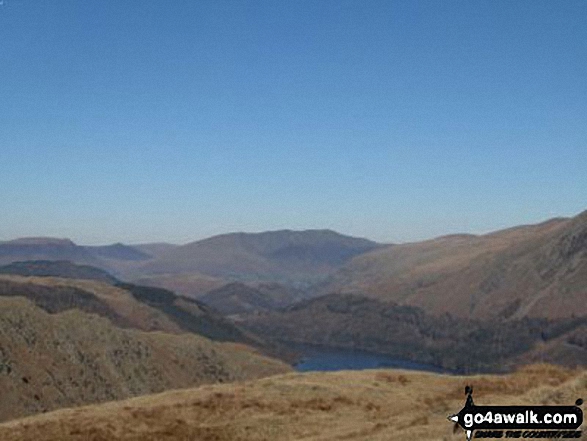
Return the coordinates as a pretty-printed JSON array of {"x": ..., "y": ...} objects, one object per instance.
[
  {"x": 190, "y": 315},
  {"x": 408, "y": 332},
  {"x": 57, "y": 268},
  {"x": 128, "y": 306},
  {"x": 48, "y": 361},
  {"x": 45, "y": 249},
  {"x": 378, "y": 405},
  {"x": 188, "y": 285},
  {"x": 118, "y": 251},
  {"x": 238, "y": 298},
  {"x": 117, "y": 259}
]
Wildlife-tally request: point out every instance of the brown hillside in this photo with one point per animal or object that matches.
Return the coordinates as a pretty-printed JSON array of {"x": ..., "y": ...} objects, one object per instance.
[
  {"x": 117, "y": 304},
  {"x": 379, "y": 405},
  {"x": 189, "y": 285},
  {"x": 128, "y": 306},
  {"x": 50, "y": 361},
  {"x": 537, "y": 270}
]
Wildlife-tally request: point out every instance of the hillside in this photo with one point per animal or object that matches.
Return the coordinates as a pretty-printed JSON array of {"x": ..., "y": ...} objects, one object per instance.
[
  {"x": 189, "y": 285},
  {"x": 50, "y": 361},
  {"x": 57, "y": 268},
  {"x": 45, "y": 249},
  {"x": 118, "y": 251},
  {"x": 127, "y": 306},
  {"x": 291, "y": 257},
  {"x": 537, "y": 271},
  {"x": 154, "y": 249},
  {"x": 238, "y": 298},
  {"x": 117, "y": 259},
  {"x": 378, "y": 405},
  {"x": 407, "y": 332}
]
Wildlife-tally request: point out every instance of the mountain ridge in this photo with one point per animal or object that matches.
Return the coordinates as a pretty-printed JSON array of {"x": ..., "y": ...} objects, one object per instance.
[{"x": 542, "y": 268}]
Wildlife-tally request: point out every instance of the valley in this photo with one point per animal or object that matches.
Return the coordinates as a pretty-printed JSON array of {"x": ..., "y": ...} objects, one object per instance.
[
  {"x": 75, "y": 331},
  {"x": 297, "y": 220}
]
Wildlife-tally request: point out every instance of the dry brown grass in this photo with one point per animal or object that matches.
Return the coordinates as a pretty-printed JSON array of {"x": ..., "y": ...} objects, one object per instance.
[
  {"x": 137, "y": 314},
  {"x": 51, "y": 361},
  {"x": 479, "y": 276},
  {"x": 360, "y": 405}
]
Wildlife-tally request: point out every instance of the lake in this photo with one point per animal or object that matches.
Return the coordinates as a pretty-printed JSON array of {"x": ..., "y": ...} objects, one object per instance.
[{"x": 315, "y": 358}]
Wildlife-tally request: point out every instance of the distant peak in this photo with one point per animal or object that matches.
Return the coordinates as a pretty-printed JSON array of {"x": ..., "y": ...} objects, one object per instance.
[{"x": 41, "y": 241}]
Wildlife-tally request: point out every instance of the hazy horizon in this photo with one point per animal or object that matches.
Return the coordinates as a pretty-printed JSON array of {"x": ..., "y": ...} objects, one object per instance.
[
  {"x": 145, "y": 121},
  {"x": 383, "y": 242}
]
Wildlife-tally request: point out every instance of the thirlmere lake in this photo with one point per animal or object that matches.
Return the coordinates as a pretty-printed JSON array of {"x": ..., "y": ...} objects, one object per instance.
[{"x": 317, "y": 358}]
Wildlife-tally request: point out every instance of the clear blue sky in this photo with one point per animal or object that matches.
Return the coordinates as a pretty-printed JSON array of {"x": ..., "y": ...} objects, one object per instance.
[{"x": 141, "y": 121}]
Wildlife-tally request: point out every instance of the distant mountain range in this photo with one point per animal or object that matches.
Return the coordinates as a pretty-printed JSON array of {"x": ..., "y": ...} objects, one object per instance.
[
  {"x": 534, "y": 270},
  {"x": 290, "y": 257},
  {"x": 463, "y": 302},
  {"x": 109, "y": 257},
  {"x": 297, "y": 259}
]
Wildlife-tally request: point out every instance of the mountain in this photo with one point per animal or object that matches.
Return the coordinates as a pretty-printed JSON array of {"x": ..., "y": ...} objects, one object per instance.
[
  {"x": 57, "y": 268},
  {"x": 43, "y": 248},
  {"x": 290, "y": 257},
  {"x": 370, "y": 405},
  {"x": 407, "y": 332},
  {"x": 69, "y": 358},
  {"x": 536, "y": 271},
  {"x": 118, "y": 259}
]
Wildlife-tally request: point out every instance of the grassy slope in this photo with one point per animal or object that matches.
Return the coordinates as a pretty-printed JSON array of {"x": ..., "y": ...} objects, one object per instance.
[
  {"x": 368, "y": 405},
  {"x": 128, "y": 306},
  {"x": 119, "y": 304},
  {"x": 48, "y": 361},
  {"x": 538, "y": 270}
]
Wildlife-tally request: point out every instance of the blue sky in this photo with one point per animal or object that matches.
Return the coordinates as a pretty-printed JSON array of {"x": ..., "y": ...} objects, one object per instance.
[{"x": 141, "y": 121}]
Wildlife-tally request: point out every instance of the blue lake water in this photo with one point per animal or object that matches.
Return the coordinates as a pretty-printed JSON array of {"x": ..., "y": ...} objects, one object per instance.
[{"x": 328, "y": 359}]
